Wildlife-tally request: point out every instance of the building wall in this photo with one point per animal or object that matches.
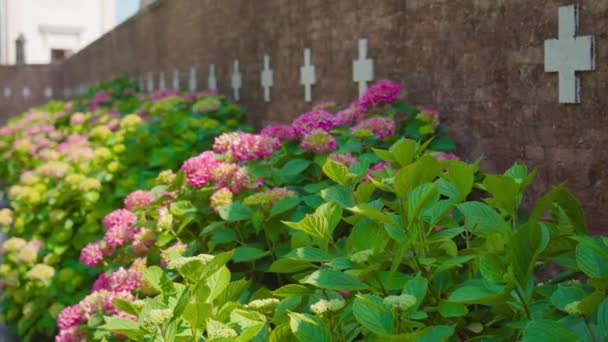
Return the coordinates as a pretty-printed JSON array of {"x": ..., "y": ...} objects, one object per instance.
[
  {"x": 48, "y": 24},
  {"x": 480, "y": 62}
]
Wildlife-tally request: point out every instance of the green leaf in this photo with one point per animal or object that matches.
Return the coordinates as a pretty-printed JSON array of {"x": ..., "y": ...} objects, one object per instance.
[
  {"x": 197, "y": 314},
  {"x": 492, "y": 268},
  {"x": 592, "y": 257},
  {"x": 284, "y": 205},
  {"x": 308, "y": 328},
  {"x": 312, "y": 224},
  {"x": 339, "y": 194},
  {"x": 546, "y": 330},
  {"x": 461, "y": 175},
  {"x": 126, "y": 306},
  {"x": 292, "y": 290},
  {"x": 217, "y": 282},
  {"x": 181, "y": 208},
  {"x": 442, "y": 144},
  {"x": 567, "y": 202},
  {"x": 505, "y": 192},
  {"x": 421, "y": 198},
  {"x": 416, "y": 287},
  {"x": 333, "y": 280},
  {"x": 476, "y": 294},
  {"x": 337, "y": 172},
  {"x": 309, "y": 254},
  {"x": 289, "y": 266},
  {"x": 525, "y": 246},
  {"x": 123, "y": 326},
  {"x": 281, "y": 333},
  {"x": 373, "y": 314},
  {"x": 235, "y": 212},
  {"x": 565, "y": 295},
  {"x": 482, "y": 219},
  {"x": 450, "y": 310},
  {"x": 370, "y": 211},
  {"x": 404, "y": 151},
  {"x": 295, "y": 167},
  {"x": 602, "y": 317},
  {"x": 246, "y": 254},
  {"x": 434, "y": 334},
  {"x": 424, "y": 170},
  {"x": 155, "y": 276},
  {"x": 218, "y": 261}
]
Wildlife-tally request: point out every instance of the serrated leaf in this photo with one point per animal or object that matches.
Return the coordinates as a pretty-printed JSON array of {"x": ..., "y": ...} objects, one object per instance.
[
  {"x": 421, "y": 198},
  {"x": 336, "y": 171},
  {"x": 450, "y": 310},
  {"x": 404, "y": 151},
  {"x": 546, "y": 330},
  {"x": 339, "y": 194},
  {"x": 309, "y": 254},
  {"x": 333, "y": 280},
  {"x": 308, "y": 328},
  {"x": 424, "y": 170},
  {"x": 373, "y": 314},
  {"x": 246, "y": 254},
  {"x": 284, "y": 205},
  {"x": 476, "y": 294},
  {"x": 482, "y": 219},
  {"x": 292, "y": 290},
  {"x": 295, "y": 167},
  {"x": 312, "y": 224},
  {"x": 235, "y": 212}
]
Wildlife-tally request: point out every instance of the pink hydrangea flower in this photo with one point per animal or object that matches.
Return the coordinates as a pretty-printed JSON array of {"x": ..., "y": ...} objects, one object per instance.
[
  {"x": 349, "y": 115},
  {"x": 381, "y": 127},
  {"x": 314, "y": 120},
  {"x": 119, "y": 217},
  {"x": 199, "y": 169},
  {"x": 101, "y": 283},
  {"x": 281, "y": 132},
  {"x": 70, "y": 316},
  {"x": 224, "y": 172},
  {"x": 222, "y": 143},
  {"x": 124, "y": 280},
  {"x": 381, "y": 92},
  {"x": 119, "y": 235},
  {"x": 253, "y": 146},
  {"x": 70, "y": 335},
  {"x": 91, "y": 254},
  {"x": 108, "y": 298},
  {"x": 138, "y": 199},
  {"x": 347, "y": 158},
  {"x": 318, "y": 141}
]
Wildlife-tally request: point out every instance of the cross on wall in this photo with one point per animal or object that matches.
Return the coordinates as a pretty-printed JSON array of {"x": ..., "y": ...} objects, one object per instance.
[
  {"x": 363, "y": 68},
  {"x": 569, "y": 54},
  {"x": 211, "y": 81},
  {"x": 237, "y": 81},
  {"x": 307, "y": 76},
  {"x": 266, "y": 78}
]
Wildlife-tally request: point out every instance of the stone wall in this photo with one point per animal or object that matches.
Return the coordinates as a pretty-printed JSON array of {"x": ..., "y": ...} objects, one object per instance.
[{"x": 481, "y": 62}]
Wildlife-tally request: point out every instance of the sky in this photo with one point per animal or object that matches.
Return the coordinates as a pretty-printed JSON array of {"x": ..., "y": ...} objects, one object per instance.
[{"x": 125, "y": 9}]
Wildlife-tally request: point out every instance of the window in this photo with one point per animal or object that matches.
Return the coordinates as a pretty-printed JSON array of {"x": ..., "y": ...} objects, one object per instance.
[{"x": 58, "y": 55}]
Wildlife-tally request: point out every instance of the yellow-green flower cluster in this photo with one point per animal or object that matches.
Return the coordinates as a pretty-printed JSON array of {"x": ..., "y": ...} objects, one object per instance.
[
  {"x": 402, "y": 302},
  {"x": 323, "y": 305}
]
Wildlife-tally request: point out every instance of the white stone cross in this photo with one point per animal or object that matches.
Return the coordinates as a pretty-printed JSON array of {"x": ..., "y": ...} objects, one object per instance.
[
  {"x": 363, "y": 68},
  {"x": 48, "y": 92},
  {"x": 161, "y": 81},
  {"x": 150, "y": 86},
  {"x": 192, "y": 80},
  {"x": 175, "y": 79},
  {"x": 141, "y": 83},
  {"x": 568, "y": 54},
  {"x": 26, "y": 92},
  {"x": 266, "y": 79},
  {"x": 211, "y": 81},
  {"x": 7, "y": 92},
  {"x": 307, "y": 76},
  {"x": 237, "y": 81}
]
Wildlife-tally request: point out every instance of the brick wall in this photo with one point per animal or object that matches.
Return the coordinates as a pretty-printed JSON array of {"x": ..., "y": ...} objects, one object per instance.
[
  {"x": 15, "y": 80},
  {"x": 479, "y": 61}
]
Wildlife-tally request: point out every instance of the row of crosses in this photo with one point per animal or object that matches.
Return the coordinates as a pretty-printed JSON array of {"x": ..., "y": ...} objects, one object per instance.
[
  {"x": 363, "y": 72},
  {"x": 566, "y": 55}
]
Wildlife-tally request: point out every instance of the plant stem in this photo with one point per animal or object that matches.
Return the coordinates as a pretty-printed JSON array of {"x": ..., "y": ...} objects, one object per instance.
[
  {"x": 523, "y": 303},
  {"x": 588, "y": 328}
]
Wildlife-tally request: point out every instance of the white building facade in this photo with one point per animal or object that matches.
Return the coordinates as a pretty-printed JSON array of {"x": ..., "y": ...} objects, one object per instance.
[{"x": 53, "y": 29}]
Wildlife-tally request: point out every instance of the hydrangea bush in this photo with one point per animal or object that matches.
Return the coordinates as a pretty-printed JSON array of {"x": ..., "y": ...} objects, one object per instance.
[{"x": 66, "y": 169}]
